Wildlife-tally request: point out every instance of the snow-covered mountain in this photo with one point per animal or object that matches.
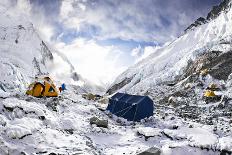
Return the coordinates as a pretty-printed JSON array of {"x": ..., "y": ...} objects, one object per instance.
[
  {"x": 182, "y": 123},
  {"x": 24, "y": 55},
  {"x": 203, "y": 41},
  {"x": 177, "y": 75}
]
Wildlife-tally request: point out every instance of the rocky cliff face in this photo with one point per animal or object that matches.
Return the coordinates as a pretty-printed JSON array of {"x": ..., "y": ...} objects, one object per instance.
[
  {"x": 224, "y": 6},
  {"x": 23, "y": 54}
]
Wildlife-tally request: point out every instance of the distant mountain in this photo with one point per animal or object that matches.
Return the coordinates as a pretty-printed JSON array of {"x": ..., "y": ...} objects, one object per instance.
[
  {"x": 179, "y": 73},
  {"x": 207, "y": 45},
  {"x": 24, "y": 55}
]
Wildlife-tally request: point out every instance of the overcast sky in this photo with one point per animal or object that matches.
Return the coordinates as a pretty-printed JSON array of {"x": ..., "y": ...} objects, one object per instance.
[{"x": 103, "y": 37}]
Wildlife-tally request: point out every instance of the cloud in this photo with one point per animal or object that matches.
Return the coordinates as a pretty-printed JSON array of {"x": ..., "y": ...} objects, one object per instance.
[
  {"x": 159, "y": 20},
  {"x": 24, "y": 5},
  {"x": 29, "y": 13},
  {"x": 76, "y": 28},
  {"x": 136, "y": 52},
  {"x": 142, "y": 52},
  {"x": 99, "y": 64}
]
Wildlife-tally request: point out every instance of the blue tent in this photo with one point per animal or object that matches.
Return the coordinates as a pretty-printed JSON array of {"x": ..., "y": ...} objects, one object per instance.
[{"x": 131, "y": 107}]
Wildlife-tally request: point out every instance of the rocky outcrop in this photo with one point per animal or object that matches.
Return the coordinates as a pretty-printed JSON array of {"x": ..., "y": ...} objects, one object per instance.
[
  {"x": 118, "y": 86},
  {"x": 151, "y": 151},
  {"x": 224, "y": 6},
  {"x": 198, "y": 22},
  {"x": 216, "y": 10},
  {"x": 219, "y": 65}
]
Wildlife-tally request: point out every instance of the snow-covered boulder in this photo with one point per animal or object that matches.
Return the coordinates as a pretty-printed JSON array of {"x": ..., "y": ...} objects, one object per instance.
[
  {"x": 225, "y": 143},
  {"x": 197, "y": 137},
  {"x": 19, "y": 128},
  {"x": 149, "y": 131}
]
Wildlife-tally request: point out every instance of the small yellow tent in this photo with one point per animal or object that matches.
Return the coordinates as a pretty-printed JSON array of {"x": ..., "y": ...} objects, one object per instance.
[
  {"x": 42, "y": 87},
  {"x": 204, "y": 72},
  {"x": 209, "y": 93}
]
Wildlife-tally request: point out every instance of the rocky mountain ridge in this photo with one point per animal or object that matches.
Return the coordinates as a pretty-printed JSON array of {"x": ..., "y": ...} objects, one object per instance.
[{"x": 224, "y": 6}]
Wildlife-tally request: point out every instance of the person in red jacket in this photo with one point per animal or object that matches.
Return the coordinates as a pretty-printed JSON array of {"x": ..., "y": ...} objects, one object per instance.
[{"x": 60, "y": 89}]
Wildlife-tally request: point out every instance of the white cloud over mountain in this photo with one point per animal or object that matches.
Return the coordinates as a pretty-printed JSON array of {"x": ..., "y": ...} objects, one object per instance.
[
  {"x": 74, "y": 27},
  {"x": 100, "y": 64}
]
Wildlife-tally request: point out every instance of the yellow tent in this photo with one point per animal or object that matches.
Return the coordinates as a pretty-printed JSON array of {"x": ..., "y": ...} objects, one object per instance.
[
  {"x": 42, "y": 87},
  {"x": 209, "y": 93},
  {"x": 204, "y": 72}
]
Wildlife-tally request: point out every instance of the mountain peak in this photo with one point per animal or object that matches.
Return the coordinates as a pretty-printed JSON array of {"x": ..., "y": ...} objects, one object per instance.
[{"x": 224, "y": 6}]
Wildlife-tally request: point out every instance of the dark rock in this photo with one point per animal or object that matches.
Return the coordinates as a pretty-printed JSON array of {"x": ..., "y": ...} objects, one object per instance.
[
  {"x": 216, "y": 10},
  {"x": 70, "y": 131},
  {"x": 175, "y": 127},
  {"x": 8, "y": 108},
  {"x": 172, "y": 118},
  {"x": 46, "y": 53},
  {"x": 75, "y": 76},
  {"x": 118, "y": 86},
  {"x": 23, "y": 153},
  {"x": 98, "y": 122},
  {"x": 198, "y": 22},
  {"x": 214, "y": 13},
  {"x": 24, "y": 136},
  {"x": 42, "y": 152},
  {"x": 42, "y": 118},
  {"x": 151, "y": 151},
  {"x": 171, "y": 84},
  {"x": 20, "y": 27},
  {"x": 190, "y": 126},
  {"x": 119, "y": 121},
  {"x": 215, "y": 129},
  {"x": 167, "y": 135},
  {"x": 218, "y": 63},
  {"x": 225, "y": 152}
]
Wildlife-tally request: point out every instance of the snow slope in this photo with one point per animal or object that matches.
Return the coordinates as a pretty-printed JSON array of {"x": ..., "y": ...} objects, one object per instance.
[
  {"x": 171, "y": 61},
  {"x": 23, "y": 55},
  {"x": 61, "y": 126},
  {"x": 50, "y": 126}
]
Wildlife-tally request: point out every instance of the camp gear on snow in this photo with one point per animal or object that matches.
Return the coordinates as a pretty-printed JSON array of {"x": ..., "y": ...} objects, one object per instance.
[
  {"x": 213, "y": 87},
  {"x": 42, "y": 87},
  {"x": 88, "y": 96},
  {"x": 130, "y": 107},
  {"x": 91, "y": 96},
  {"x": 63, "y": 86},
  {"x": 60, "y": 89},
  {"x": 204, "y": 72},
  {"x": 103, "y": 100},
  {"x": 98, "y": 122},
  {"x": 210, "y": 96},
  {"x": 209, "y": 93}
]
